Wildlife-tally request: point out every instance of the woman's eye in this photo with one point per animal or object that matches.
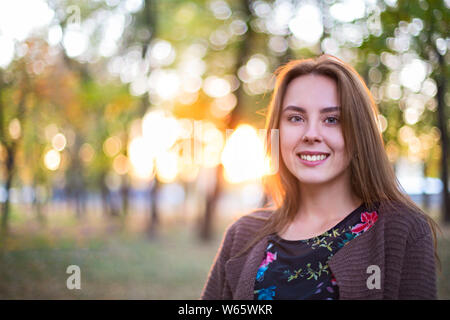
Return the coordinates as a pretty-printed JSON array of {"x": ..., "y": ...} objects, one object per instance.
[
  {"x": 294, "y": 118},
  {"x": 332, "y": 120}
]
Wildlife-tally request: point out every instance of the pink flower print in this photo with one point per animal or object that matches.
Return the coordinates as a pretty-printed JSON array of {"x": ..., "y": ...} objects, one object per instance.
[
  {"x": 265, "y": 265},
  {"x": 368, "y": 220},
  {"x": 268, "y": 259}
]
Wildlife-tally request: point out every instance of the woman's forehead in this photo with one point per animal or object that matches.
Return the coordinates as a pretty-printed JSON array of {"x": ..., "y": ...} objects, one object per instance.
[{"x": 311, "y": 91}]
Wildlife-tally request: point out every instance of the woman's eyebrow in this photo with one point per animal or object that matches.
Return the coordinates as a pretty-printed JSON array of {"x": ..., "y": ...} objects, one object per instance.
[
  {"x": 302, "y": 110},
  {"x": 330, "y": 109}
]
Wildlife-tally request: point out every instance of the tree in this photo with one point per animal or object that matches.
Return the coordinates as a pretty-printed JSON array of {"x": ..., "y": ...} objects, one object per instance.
[
  {"x": 11, "y": 121},
  {"x": 415, "y": 32}
]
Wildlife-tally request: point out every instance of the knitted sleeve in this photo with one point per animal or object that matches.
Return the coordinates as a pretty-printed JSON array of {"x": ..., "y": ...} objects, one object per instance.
[
  {"x": 216, "y": 287},
  {"x": 418, "y": 279}
]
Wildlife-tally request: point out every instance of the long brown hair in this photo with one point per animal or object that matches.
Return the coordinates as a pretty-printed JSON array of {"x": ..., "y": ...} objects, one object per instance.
[{"x": 372, "y": 177}]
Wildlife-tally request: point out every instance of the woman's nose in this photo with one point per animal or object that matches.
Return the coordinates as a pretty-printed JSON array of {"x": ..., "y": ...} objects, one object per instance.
[{"x": 311, "y": 134}]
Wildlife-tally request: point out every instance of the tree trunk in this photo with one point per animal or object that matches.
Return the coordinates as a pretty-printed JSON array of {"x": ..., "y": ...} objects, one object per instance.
[
  {"x": 442, "y": 122},
  {"x": 109, "y": 208},
  {"x": 104, "y": 195},
  {"x": 10, "y": 166},
  {"x": 150, "y": 23},
  {"x": 11, "y": 147},
  {"x": 211, "y": 205},
  {"x": 233, "y": 119},
  {"x": 125, "y": 192},
  {"x": 152, "y": 228},
  {"x": 79, "y": 198},
  {"x": 37, "y": 205},
  {"x": 75, "y": 181}
]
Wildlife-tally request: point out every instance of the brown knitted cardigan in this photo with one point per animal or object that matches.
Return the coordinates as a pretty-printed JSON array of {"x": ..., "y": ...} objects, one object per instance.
[{"x": 400, "y": 243}]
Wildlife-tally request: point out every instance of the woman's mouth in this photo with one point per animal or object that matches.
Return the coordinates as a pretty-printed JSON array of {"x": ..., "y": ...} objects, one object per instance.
[{"x": 311, "y": 159}]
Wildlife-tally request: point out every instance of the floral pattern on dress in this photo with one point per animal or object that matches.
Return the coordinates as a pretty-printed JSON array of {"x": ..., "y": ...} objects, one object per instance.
[
  {"x": 270, "y": 257},
  {"x": 266, "y": 294},
  {"x": 368, "y": 220},
  {"x": 312, "y": 274}
]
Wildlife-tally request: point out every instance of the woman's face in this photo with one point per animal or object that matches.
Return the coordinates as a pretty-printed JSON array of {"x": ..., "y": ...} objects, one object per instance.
[{"x": 311, "y": 139}]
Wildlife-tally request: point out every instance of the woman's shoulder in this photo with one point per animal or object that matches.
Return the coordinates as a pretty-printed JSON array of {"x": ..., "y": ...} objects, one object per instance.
[
  {"x": 242, "y": 230},
  {"x": 400, "y": 218},
  {"x": 255, "y": 217},
  {"x": 249, "y": 223}
]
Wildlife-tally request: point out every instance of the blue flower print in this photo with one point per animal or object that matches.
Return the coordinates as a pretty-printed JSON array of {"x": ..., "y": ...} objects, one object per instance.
[
  {"x": 348, "y": 236},
  {"x": 270, "y": 257},
  {"x": 266, "y": 294},
  {"x": 260, "y": 274}
]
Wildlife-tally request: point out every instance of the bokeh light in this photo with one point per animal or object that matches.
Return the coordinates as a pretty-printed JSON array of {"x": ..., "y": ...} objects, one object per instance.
[
  {"x": 52, "y": 160},
  {"x": 243, "y": 155}
]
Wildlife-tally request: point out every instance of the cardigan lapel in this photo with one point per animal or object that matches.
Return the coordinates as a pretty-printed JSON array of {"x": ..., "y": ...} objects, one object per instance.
[
  {"x": 350, "y": 264},
  {"x": 241, "y": 272}
]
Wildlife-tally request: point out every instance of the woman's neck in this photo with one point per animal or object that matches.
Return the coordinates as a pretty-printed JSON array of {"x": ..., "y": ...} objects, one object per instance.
[{"x": 327, "y": 202}]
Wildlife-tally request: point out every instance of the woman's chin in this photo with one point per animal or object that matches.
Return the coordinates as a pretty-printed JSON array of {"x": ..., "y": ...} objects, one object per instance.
[{"x": 312, "y": 180}]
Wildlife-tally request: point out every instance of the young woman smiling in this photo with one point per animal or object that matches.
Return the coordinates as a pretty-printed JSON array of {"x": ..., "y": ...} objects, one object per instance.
[{"x": 340, "y": 226}]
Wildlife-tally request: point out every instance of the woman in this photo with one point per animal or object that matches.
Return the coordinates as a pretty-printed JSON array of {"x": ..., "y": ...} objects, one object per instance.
[{"x": 340, "y": 228}]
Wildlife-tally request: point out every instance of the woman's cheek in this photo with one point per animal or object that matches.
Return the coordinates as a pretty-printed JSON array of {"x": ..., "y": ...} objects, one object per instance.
[
  {"x": 288, "y": 141},
  {"x": 334, "y": 138}
]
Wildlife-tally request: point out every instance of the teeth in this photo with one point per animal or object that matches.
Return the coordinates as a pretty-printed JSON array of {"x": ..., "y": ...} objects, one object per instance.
[{"x": 313, "y": 158}]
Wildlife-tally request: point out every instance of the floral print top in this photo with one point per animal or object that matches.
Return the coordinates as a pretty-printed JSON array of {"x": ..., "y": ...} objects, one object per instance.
[{"x": 298, "y": 269}]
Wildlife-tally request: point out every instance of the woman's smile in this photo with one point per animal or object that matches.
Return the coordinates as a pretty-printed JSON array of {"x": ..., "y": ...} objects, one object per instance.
[{"x": 312, "y": 159}]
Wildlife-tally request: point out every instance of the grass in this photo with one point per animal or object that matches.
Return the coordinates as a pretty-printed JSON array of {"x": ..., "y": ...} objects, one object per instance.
[
  {"x": 121, "y": 265},
  {"x": 117, "y": 266}
]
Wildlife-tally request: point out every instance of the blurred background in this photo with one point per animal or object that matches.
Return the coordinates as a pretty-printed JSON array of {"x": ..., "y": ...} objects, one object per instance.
[{"x": 131, "y": 132}]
